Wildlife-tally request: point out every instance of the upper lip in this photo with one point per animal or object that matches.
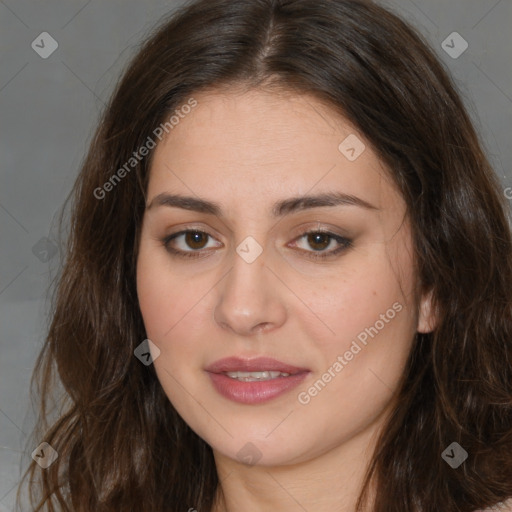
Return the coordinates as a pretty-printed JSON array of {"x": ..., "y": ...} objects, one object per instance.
[{"x": 258, "y": 364}]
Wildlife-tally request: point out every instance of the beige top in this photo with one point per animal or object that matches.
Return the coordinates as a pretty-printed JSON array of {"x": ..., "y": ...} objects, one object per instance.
[{"x": 505, "y": 506}]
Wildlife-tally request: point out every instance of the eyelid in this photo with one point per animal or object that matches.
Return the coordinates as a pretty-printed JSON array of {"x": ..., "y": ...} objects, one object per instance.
[{"x": 320, "y": 227}]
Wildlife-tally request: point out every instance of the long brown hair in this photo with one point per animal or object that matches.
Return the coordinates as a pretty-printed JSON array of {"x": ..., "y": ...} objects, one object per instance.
[{"x": 120, "y": 443}]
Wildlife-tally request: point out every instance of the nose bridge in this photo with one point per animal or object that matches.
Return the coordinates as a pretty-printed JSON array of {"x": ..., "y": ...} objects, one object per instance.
[
  {"x": 247, "y": 279},
  {"x": 248, "y": 298}
]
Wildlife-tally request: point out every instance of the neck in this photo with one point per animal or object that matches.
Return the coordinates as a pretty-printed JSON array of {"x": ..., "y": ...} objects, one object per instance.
[{"x": 330, "y": 481}]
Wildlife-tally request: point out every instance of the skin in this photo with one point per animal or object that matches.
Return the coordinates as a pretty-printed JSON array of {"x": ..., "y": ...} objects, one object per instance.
[{"x": 245, "y": 151}]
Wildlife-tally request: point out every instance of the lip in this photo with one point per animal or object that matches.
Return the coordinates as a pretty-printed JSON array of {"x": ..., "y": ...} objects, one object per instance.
[
  {"x": 254, "y": 392},
  {"x": 258, "y": 364}
]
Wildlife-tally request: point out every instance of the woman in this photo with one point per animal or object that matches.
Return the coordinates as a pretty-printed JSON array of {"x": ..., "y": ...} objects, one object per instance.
[{"x": 289, "y": 279}]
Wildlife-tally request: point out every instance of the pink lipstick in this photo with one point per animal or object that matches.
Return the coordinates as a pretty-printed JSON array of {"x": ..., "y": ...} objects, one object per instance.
[{"x": 252, "y": 381}]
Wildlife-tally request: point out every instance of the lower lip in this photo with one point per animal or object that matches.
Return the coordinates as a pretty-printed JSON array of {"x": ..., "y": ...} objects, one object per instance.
[{"x": 254, "y": 392}]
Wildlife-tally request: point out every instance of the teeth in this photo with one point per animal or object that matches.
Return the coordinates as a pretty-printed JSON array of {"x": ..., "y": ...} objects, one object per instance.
[{"x": 256, "y": 376}]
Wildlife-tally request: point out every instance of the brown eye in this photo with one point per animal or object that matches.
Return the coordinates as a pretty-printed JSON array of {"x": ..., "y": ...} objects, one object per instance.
[
  {"x": 195, "y": 239},
  {"x": 190, "y": 243},
  {"x": 320, "y": 240}
]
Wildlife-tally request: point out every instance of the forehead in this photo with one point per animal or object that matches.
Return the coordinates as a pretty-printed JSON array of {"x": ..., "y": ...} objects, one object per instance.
[{"x": 259, "y": 147}]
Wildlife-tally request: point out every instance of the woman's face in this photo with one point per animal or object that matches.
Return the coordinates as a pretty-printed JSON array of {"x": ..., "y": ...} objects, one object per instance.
[{"x": 245, "y": 284}]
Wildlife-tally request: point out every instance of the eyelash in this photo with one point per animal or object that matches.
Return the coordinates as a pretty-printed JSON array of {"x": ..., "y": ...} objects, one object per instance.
[{"x": 315, "y": 255}]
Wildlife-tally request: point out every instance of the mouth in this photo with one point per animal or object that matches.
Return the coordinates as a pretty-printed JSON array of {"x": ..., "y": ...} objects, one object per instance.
[
  {"x": 252, "y": 381},
  {"x": 255, "y": 376}
]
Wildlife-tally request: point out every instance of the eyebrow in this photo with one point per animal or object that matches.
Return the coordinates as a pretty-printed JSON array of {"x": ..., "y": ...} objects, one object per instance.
[{"x": 279, "y": 209}]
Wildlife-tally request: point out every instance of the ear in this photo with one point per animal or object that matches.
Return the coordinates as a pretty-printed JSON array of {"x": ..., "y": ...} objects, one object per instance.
[{"x": 427, "y": 317}]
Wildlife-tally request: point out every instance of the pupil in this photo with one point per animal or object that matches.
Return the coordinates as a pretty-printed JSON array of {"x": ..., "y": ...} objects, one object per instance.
[
  {"x": 193, "y": 238},
  {"x": 320, "y": 236}
]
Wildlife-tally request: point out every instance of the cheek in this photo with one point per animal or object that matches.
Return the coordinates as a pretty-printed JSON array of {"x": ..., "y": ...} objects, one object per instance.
[
  {"x": 170, "y": 305},
  {"x": 173, "y": 306},
  {"x": 164, "y": 296},
  {"x": 152, "y": 296},
  {"x": 160, "y": 299},
  {"x": 356, "y": 300},
  {"x": 373, "y": 327},
  {"x": 360, "y": 364}
]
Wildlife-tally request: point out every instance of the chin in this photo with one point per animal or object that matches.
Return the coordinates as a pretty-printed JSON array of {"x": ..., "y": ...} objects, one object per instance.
[{"x": 260, "y": 451}]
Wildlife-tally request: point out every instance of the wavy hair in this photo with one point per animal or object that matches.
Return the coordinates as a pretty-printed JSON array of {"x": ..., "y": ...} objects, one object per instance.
[{"x": 372, "y": 68}]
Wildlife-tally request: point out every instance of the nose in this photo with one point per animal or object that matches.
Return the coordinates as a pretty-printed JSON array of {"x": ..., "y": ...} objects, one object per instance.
[{"x": 250, "y": 299}]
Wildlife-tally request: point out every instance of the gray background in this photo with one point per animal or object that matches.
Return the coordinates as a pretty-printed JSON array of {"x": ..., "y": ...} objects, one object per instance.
[{"x": 49, "y": 108}]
